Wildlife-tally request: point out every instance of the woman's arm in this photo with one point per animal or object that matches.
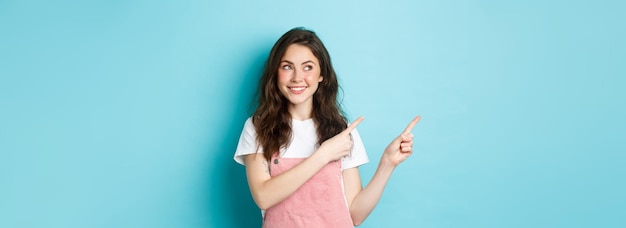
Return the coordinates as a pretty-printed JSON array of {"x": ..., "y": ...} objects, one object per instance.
[
  {"x": 361, "y": 201},
  {"x": 268, "y": 191}
]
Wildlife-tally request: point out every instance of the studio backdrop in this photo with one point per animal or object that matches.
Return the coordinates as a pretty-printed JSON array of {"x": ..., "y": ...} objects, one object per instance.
[{"x": 127, "y": 113}]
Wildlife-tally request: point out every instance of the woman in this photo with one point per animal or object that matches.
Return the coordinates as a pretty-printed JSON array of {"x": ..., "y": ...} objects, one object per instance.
[{"x": 301, "y": 158}]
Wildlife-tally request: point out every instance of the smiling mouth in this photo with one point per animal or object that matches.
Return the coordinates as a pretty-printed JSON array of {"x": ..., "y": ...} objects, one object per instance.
[{"x": 297, "y": 89}]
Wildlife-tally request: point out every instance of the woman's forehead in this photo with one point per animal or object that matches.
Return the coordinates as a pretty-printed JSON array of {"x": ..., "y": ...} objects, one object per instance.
[{"x": 297, "y": 54}]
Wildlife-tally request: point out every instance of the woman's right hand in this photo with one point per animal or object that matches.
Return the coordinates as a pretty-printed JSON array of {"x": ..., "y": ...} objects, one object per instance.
[{"x": 340, "y": 145}]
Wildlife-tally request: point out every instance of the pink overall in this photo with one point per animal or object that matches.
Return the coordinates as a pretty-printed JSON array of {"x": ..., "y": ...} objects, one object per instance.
[{"x": 319, "y": 202}]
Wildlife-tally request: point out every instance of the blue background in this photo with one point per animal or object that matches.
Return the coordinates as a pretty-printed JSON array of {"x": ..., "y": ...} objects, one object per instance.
[{"x": 127, "y": 113}]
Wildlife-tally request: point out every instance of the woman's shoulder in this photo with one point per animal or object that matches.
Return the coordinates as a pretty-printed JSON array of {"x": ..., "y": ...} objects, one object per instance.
[
  {"x": 249, "y": 121},
  {"x": 249, "y": 125}
]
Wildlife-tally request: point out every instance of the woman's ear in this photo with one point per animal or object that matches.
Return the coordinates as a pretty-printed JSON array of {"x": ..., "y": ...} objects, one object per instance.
[{"x": 321, "y": 79}]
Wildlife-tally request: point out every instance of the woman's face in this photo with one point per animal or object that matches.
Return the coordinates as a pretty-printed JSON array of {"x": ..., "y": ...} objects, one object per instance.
[{"x": 299, "y": 75}]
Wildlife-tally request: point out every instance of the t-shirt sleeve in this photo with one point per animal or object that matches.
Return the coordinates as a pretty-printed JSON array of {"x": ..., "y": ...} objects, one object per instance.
[
  {"x": 358, "y": 156},
  {"x": 247, "y": 142}
]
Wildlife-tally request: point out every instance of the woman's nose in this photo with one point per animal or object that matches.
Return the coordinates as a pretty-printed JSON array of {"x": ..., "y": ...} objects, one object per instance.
[{"x": 297, "y": 76}]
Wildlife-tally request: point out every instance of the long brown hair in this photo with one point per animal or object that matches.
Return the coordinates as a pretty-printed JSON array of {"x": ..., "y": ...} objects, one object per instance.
[{"x": 271, "y": 118}]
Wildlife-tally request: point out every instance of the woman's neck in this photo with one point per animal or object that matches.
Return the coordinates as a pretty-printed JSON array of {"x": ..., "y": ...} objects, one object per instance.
[{"x": 301, "y": 112}]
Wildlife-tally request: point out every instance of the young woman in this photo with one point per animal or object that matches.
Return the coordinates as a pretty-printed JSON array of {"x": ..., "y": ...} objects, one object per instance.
[{"x": 301, "y": 156}]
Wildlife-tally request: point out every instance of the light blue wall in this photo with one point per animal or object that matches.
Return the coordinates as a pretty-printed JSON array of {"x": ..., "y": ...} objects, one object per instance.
[{"x": 127, "y": 113}]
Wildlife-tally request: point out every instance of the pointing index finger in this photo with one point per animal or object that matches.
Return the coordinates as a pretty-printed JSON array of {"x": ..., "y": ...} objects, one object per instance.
[
  {"x": 411, "y": 125},
  {"x": 353, "y": 125}
]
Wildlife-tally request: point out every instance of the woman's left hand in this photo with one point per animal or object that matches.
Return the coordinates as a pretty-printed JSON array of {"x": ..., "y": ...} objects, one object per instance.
[{"x": 401, "y": 147}]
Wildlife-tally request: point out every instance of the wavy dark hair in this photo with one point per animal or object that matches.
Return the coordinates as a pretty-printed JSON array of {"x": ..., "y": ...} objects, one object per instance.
[{"x": 271, "y": 118}]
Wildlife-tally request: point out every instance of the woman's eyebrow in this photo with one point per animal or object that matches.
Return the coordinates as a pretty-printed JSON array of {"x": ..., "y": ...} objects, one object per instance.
[
  {"x": 308, "y": 61},
  {"x": 305, "y": 62}
]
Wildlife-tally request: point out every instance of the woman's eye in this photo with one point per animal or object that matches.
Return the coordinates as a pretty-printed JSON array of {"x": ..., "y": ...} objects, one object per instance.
[
  {"x": 286, "y": 67},
  {"x": 308, "y": 68}
]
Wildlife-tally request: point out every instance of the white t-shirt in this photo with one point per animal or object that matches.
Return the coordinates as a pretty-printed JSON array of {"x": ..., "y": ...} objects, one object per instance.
[{"x": 303, "y": 144}]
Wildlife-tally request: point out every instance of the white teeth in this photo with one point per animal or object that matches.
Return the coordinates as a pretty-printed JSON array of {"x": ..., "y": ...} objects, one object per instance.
[{"x": 298, "y": 89}]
